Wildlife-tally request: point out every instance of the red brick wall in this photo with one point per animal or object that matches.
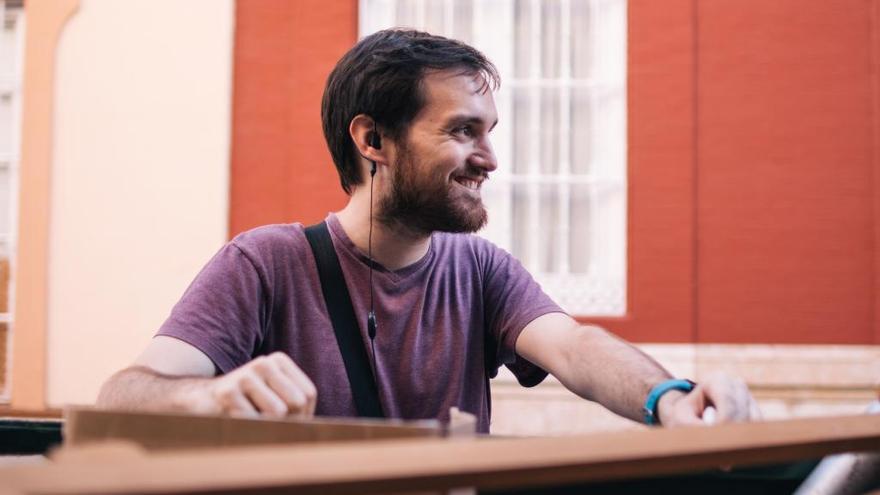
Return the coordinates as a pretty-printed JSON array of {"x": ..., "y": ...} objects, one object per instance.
[
  {"x": 281, "y": 169},
  {"x": 753, "y": 151},
  {"x": 753, "y": 159}
]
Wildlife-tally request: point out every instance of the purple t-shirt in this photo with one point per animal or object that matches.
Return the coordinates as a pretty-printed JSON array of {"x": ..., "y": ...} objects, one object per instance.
[{"x": 446, "y": 322}]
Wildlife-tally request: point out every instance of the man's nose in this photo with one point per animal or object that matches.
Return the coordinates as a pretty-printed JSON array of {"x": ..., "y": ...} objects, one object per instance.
[{"x": 484, "y": 156}]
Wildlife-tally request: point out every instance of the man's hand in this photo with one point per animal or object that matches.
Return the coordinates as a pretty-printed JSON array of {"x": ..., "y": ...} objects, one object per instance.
[
  {"x": 270, "y": 386},
  {"x": 729, "y": 396}
]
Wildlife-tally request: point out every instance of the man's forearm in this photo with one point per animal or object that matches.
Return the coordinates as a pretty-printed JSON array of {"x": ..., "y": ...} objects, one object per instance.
[
  {"x": 599, "y": 366},
  {"x": 606, "y": 369},
  {"x": 139, "y": 388}
]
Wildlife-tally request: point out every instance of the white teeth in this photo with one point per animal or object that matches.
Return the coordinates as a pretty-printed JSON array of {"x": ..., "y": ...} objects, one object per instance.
[{"x": 470, "y": 184}]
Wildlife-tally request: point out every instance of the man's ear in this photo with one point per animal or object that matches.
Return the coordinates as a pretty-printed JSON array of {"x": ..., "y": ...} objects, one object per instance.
[{"x": 367, "y": 139}]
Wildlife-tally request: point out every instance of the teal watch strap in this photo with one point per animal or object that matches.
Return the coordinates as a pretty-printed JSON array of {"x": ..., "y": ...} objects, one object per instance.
[{"x": 658, "y": 391}]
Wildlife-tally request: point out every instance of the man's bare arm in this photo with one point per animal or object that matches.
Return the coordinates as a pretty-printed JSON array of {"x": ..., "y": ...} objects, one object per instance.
[
  {"x": 140, "y": 388},
  {"x": 598, "y": 366},
  {"x": 172, "y": 375}
]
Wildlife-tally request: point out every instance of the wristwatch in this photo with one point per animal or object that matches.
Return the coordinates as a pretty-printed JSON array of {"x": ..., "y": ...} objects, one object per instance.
[{"x": 650, "y": 409}]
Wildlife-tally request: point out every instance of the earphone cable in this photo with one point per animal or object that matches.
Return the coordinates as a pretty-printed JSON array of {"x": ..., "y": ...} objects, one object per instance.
[
  {"x": 371, "y": 318},
  {"x": 370, "y": 243}
]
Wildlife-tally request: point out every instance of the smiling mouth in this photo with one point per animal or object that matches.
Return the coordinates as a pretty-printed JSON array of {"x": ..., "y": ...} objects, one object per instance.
[{"x": 472, "y": 184}]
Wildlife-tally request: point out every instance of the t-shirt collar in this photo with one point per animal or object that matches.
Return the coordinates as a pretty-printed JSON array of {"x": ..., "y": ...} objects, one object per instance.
[{"x": 342, "y": 240}]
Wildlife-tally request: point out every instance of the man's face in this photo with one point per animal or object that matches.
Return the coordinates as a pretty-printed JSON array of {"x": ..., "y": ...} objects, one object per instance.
[{"x": 440, "y": 164}]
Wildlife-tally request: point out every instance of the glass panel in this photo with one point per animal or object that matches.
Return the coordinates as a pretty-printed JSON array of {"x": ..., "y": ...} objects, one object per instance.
[
  {"x": 435, "y": 17},
  {"x": 551, "y": 35},
  {"x": 5, "y": 201},
  {"x": 522, "y": 121},
  {"x": 7, "y": 49},
  {"x": 5, "y": 123},
  {"x": 463, "y": 20},
  {"x": 579, "y": 229},
  {"x": 521, "y": 223},
  {"x": 581, "y": 48},
  {"x": 548, "y": 227},
  {"x": 4, "y": 340},
  {"x": 550, "y": 130},
  {"x": 581, "y": 153},
  {"x": 522, "y": 57},
  {"x": 4, "y": 278},
  {"x": 407, "y": 13},
  {"x": 526, "y": 42},
  {"x": 497, "y": 198}
]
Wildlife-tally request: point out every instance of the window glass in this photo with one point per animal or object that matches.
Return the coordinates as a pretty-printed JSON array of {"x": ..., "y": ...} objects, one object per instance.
[{"x": 558, "y": 200}]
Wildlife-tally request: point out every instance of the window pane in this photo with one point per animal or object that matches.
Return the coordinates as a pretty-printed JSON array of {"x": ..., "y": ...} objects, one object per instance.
[
  {"x": 4, "y": 278},
  {"x": 548, "y": 235},
  {"x": 551, "y": 33},
  {"x": 7, "y": 67},
  {"x": 522, "y": 65},
  {"x": 581, "y": 48},
  {"x": 4, "y": 339},
  {"x": 6, "y": 123},
  {"x": 435, "y": 17},
  {"x": 581, "y": 130},
  {"x": 568, "y": 224},
  {"x": 463, "y": 20},
  {"x": 522, "y": 130},
  {"x": 522, "y": 232},
  {"x": 579, "y": 229},
  {"x": 407, "y": 13},
  {"x": 550, "y": 130},
  {"x": 5, "y": 200},
  {"x": 7, "y": 47}
]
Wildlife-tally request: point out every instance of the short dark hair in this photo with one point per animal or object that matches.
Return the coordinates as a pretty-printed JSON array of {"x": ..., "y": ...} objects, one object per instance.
[{"x": 381, "y": 76}]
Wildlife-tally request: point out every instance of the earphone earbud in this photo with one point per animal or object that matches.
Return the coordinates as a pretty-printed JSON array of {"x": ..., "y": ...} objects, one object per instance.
[{"x": 375, "y": 142}]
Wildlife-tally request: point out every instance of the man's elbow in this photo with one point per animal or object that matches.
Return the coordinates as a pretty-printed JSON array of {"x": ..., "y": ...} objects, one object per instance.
[{"x": 113, "y": 391}]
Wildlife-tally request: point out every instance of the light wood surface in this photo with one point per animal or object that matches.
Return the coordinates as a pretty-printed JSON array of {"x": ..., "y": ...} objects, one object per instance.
[
  {"x": 49, "y": 414},
  {"x": 384, "y": 466},
  {"x": 165, "y": 431}
]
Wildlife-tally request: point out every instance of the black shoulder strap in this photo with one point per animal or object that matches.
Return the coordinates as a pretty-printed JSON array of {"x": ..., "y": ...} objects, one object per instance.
[{"x": 354, "y": 354}]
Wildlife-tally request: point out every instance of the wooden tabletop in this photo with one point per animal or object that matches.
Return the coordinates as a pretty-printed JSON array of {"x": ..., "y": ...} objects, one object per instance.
[{"x": 392, "y": 465}]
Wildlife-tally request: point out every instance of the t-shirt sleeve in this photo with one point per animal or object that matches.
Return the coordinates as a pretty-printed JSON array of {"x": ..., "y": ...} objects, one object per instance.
[
  {"x": 512, "y": 299},
  {"x": 223, "y": 311}
]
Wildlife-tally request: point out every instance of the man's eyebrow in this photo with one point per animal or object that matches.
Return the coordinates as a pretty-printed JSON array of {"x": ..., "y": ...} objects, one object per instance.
[{"x": 457, "y": 120}]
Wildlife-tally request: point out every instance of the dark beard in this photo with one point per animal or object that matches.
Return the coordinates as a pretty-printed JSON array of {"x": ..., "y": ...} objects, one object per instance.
[{"x": 428, "y": 207}]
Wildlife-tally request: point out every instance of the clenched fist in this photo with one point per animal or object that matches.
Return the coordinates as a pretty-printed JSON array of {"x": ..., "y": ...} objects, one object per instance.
[{"x": 271, "y": 386}]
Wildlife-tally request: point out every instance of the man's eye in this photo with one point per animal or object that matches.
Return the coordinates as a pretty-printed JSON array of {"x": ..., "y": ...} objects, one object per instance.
[{"x": 464, "y": 131}]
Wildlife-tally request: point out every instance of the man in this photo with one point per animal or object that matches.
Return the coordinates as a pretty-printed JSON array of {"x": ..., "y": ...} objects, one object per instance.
[{"x": 407, "y": 117}]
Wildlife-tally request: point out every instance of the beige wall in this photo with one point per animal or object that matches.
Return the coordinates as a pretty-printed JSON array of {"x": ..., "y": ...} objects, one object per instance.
[{"x": 139, "y": 185}]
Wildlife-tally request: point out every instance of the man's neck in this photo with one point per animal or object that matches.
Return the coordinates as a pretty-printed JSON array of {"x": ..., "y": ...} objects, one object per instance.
[{"x": 393, "y": 247}]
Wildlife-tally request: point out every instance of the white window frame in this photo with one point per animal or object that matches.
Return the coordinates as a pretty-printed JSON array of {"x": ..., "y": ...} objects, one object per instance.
[{"x": 600, "y": 289}]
